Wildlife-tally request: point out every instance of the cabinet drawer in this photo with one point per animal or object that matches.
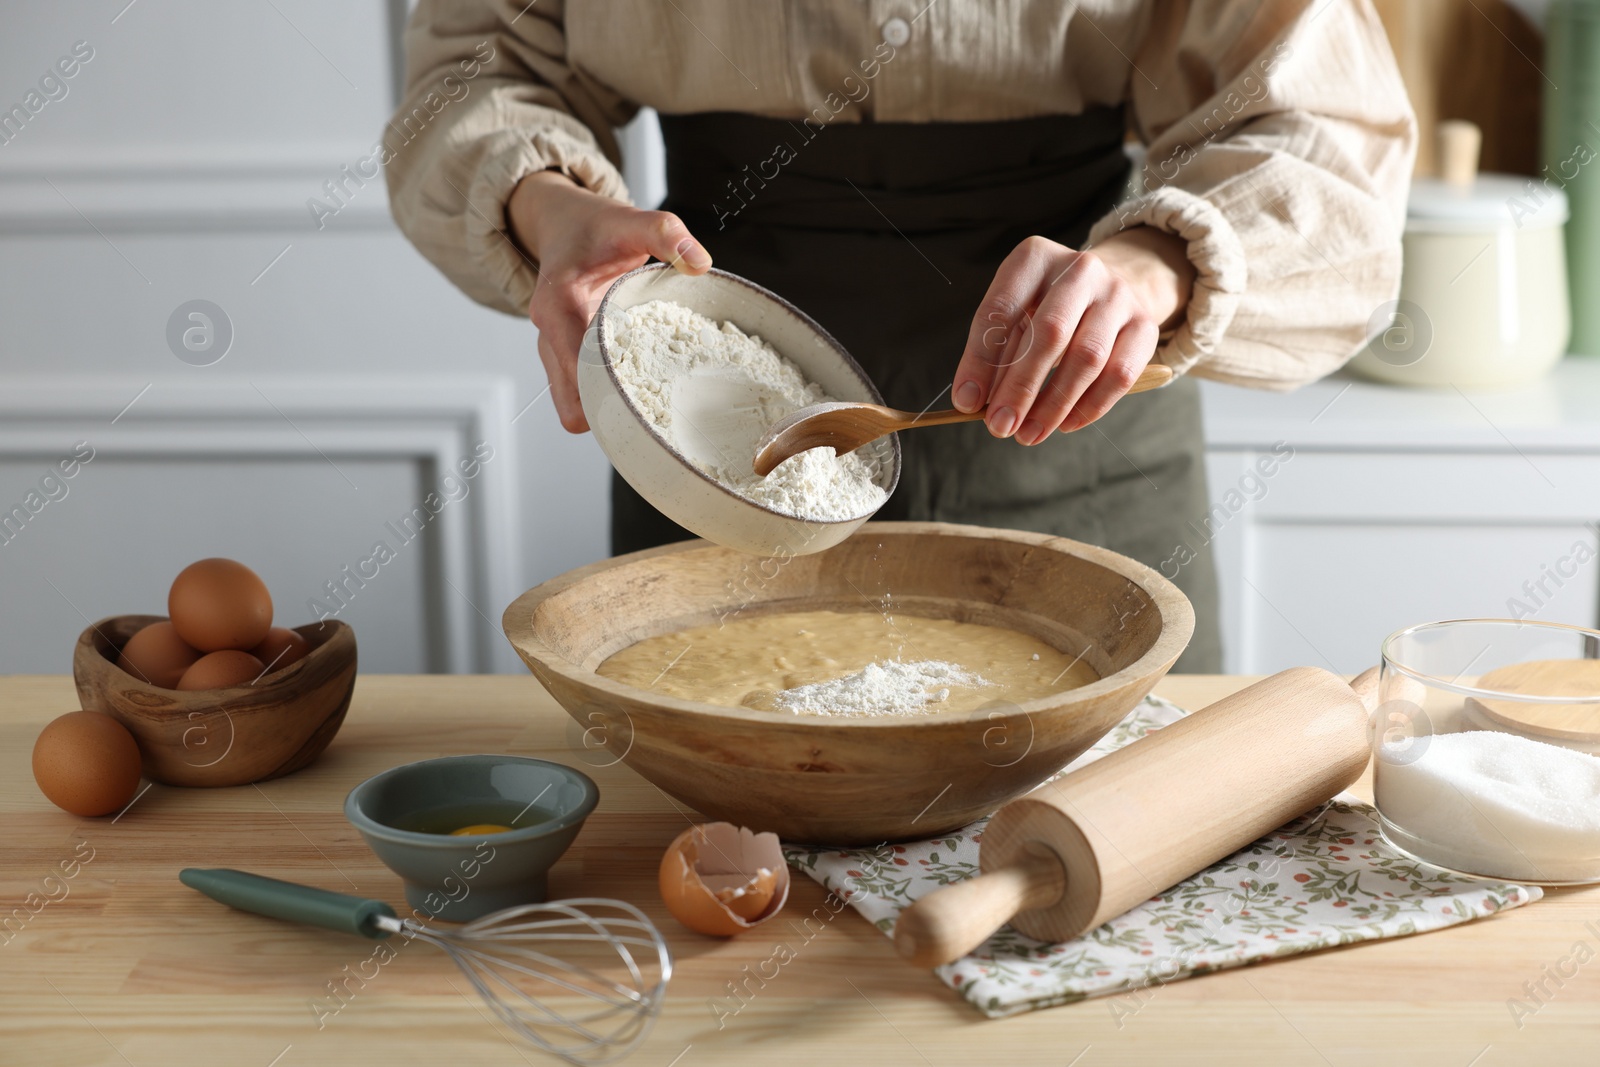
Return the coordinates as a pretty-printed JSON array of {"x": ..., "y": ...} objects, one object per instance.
[{"x": 1330, "y": 552}]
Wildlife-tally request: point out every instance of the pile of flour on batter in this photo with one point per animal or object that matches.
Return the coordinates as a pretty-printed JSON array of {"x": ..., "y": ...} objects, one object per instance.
[
  {"x": 661, "y": 348},
  {"x": 888, "y": 687}
]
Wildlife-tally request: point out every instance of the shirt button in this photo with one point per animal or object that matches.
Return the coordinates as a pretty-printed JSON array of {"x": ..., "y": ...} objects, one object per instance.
[{"x": 897, "y": 31}]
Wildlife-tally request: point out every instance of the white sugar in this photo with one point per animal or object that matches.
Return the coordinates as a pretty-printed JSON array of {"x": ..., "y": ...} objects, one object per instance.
[
  {"x": 714, "y": 391},
  {"x": 888, "y": 687},
  {"x": 1498, "y": 804}
]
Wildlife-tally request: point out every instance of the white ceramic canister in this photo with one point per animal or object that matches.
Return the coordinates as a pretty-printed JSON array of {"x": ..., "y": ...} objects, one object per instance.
[{"x": 1483, "y": 290}]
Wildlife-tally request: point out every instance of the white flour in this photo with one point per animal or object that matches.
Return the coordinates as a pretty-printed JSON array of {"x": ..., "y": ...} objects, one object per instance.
[
  {"x": 888, "y": 687},
  {"x": 714, "y": 391}
]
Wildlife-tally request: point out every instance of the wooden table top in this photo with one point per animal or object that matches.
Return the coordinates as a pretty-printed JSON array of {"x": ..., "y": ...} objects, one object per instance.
[{"x": 130, "y": 968}]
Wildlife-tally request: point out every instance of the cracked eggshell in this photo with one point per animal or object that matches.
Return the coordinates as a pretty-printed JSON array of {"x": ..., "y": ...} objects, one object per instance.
[{"x": 719, "y": 879}]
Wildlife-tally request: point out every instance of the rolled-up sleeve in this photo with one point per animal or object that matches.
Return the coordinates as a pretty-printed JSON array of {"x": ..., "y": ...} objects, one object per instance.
[
  {"x": 1280, "y": 146},
  {"x": 491, "y": 98}
]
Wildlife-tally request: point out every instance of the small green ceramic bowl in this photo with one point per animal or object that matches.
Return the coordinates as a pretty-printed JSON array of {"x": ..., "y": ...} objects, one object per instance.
[{"x": 407, "y": 814}]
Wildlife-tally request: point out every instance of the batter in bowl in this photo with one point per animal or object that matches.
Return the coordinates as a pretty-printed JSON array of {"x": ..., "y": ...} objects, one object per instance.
[{"x": 848, "y": 664}]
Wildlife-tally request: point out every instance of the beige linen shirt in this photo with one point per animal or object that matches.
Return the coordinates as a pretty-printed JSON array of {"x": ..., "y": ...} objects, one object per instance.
[{"x": 1280, "y": 141}]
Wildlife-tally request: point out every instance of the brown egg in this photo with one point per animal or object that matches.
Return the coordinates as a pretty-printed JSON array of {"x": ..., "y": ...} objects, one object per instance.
[
  {"x": 221, "y": 670},
  {"x": 720, "y": 879},
  {"x": 281, "y": 648},
  {"x": 156, "y": 654},
  {"x": 217, "y": 604},
  {"x": 87, "y": 763}
]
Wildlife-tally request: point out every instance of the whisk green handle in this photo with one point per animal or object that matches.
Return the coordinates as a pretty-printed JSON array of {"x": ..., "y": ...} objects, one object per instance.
[{"x": 286, "y": 900}]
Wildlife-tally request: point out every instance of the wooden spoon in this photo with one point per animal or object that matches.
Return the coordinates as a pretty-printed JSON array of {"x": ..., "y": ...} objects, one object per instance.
[{"x": 846, "y": 425}]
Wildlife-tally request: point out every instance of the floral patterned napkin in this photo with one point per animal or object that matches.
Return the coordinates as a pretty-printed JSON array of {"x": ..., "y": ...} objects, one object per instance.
[{"x": 1326, "y": 879}]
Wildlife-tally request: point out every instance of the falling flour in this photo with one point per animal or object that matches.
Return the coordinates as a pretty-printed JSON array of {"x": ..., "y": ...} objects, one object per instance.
[
  {"x": 1498, "y": 804},
  {"x": 714, "y": 391},
  {"x": 887, "y": 687}
]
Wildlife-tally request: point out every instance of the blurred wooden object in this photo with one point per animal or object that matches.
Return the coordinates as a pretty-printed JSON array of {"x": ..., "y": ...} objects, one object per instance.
[
  {"x": 1460, "y": 143},
  {"x": 1478, "y": 60}
]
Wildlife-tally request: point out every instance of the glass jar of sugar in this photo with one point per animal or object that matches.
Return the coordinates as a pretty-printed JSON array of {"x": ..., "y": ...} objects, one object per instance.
[{"x": 1486, "y": 746}]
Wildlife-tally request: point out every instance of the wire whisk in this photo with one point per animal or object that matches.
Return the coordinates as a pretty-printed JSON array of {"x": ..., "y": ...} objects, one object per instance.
[
  {"x": 493, "y": 949},
  {"x": 523, "y": 961}
]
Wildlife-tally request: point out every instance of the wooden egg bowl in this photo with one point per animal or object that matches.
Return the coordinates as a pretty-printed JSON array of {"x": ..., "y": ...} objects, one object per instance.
[
  {"x": 854, "y": 781},
  {"x": 217, "y": 737}
]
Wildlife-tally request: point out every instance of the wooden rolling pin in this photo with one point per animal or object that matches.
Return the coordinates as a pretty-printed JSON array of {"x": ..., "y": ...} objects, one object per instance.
[{"x": 1086, "y": 848}]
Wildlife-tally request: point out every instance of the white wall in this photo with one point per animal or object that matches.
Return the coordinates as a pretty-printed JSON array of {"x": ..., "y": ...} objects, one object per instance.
[{"x": 177, "y": 167}]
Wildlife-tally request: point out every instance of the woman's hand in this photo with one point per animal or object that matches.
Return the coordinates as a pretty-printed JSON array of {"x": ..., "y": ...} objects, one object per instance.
[
  {"x": 583, "y": 242},
  {"x": 1091, "y": 317}
]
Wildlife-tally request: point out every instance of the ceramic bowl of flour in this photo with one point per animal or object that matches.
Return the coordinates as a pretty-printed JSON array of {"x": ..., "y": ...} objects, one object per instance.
[{"x": 678, "y": 410}]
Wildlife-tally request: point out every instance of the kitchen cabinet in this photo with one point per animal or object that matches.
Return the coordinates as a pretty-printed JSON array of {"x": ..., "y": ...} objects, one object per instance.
[
  {"x": 185, "y": 163},
  {"x": 357, "y": 377},
  {"x": 1399, "y": 506}
]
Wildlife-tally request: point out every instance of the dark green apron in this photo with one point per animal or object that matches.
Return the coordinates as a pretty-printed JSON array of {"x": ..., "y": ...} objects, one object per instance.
[{"x": 888, "y": 234}]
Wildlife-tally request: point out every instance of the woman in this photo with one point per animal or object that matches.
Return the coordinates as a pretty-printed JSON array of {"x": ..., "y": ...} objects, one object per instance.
[{"x": 925, "y": 181}]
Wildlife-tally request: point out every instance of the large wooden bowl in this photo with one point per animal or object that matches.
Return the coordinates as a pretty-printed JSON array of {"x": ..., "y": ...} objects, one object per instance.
[
  {"x": 854, "y": 781},
  {"x": 219, "y": 737}
]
